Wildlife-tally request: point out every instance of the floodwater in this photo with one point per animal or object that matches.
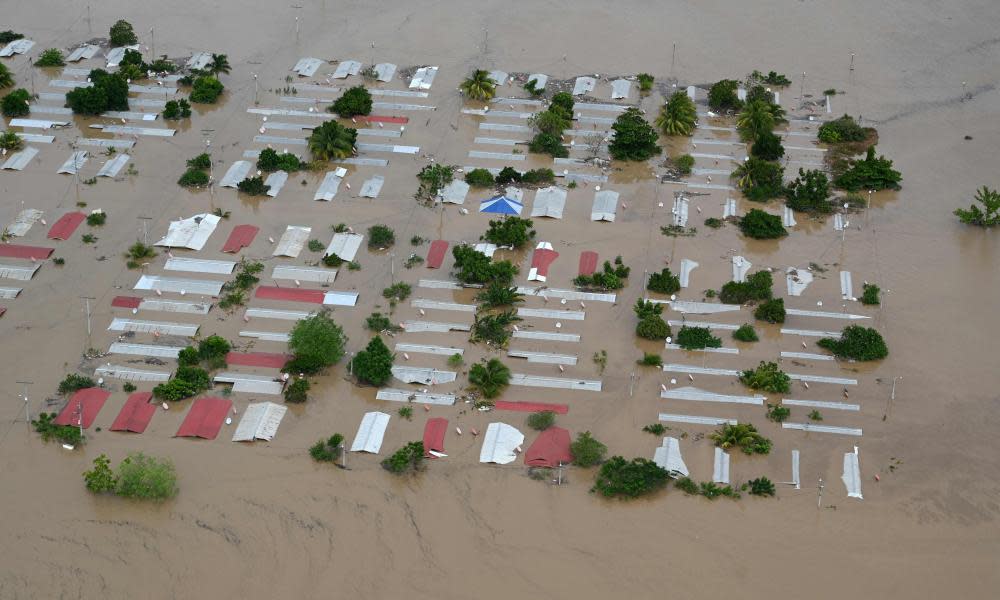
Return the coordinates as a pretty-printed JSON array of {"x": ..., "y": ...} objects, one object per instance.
[{"x": 263, "y": 520}]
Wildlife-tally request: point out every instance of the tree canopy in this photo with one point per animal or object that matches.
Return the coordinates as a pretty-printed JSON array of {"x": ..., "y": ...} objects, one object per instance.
[
  {"x": 373, "y": 364},
  {"x": 490, "y": 377},
  {"x": 510, "y": 231},
  {"x": 871, "y": 173},
  {"x": 987, "y": 216},
  {"x": 332, "y": 141},
  {"x": 678, "y": 116},
  {"x": 634, "y": 138},
  {"x": 355, "y": 101},
  {"x": 315, "y": 342},
  {"x": 761, "y": 225},
  {"x": 122, "y": 34},
  {"x": 479, "y": 86}
]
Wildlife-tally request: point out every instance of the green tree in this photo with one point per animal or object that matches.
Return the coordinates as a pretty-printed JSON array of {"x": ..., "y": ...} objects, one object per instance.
[
  {"x": 987, "y": 216},
  {"x": 479, "y": 86},
  {"x": 87, "y": 100},
  {"x": 269, "y": 161},
  {"x": 373, "y": 364},
  {"x": 760, "y": 225},
  {"x": 10, "y": 141},
  {"x": 869, "y": 174},
  {"x": 479, "y": 178},
  {"x": 745, "y": 333},
  {"x": 755, "y": 119},
  {"x": 332, "y": 141},
  {"x": 768, "y": 377},
  {"x": 298, "y": 391},
  {"x": 664, "y": 282},
  {"x": 546, "y": 143},
  {"x": 355, "y": 101},
  {"x": 16, "y": 103},
  {"x": 586, "y": 450},
  {"x": 253, "y": 186},
  {"x": 697, "y": 338},
  {"x": 870, "y": 296},
  {"x": 857, "y": 343},
  {"x": 122, "y": 34},
  {"x": 722, "y": 95},
  {"x": 540, "y": 421},
  {"x": 759, "y": 179},
  {"x": 498, "y": 294},
  {"x": 844, "y": 129},
  {"x": 206, "y": 90},
  {"x": 772, "y": 311},
  {"x": 809, "y": 192},
  {"x": 630, "y": 479},
  {"x": 327, "y": 450},
  {"x": 756, "y": 287},
  {"x": 177, "y": 109},
  {"x": 490, "y": 377},
  {"x": 74, "y": 382},
  {"x": 101, "y": 478},
  {"x": 407, "y": 458},
  {"x": 678, "y": 116},
  {"x": 552, "y": 122},
  {"x": 472, "y": 266},
  {"x": 381, "y": 236},
  {"x": 767, "y": 146},
  {"x": 634, "y": 138},
  {"x": 146, "y": 477},
  {"x": 52, "y": 57},
  {"x": 510, "y": 231},
  {"x": 219, "y": 64},
  {"x": 6, "y": 79},
  {"x": 743, "y": 436},
  {"x": 316, "y": 343}
]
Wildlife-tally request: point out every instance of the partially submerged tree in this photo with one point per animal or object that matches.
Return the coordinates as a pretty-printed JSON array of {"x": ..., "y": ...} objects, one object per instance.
[
  {"x": 316, "y": 343},
  {"x": 755, "y": 119},
  {"x": 540, "y": 421},
  {"x": 586, "y": 450},
  {"x": 498, "y": 294},
  {"x": 381, "y": 236},
  {"x": 177, "y": 109},
  {"x": 472, "y": 266},
  {"x": 355, "y": 101},
  {"x": 759, "y": 179},
  {"x": 722, "y": 95},
  {"x": 857, "y": 343},
  {"x": 634, "y": 138},
  {"x": 743, "y": 436},
  {"x": 6, "y": 79},
  {"x": 332, "y": 141},
  {"x": 844, "y": 129},
  {"x": 297, "y": 391},
  {"x": 269, "y": 161},
  {"x": 253, "y": 186},
  {"x": 678, "y": 116},
  {"x": 630, "y": 479},
  {"x": 206, "y": 90},
  {"x": 987, "y": 216},
  {"x": 510, "y": 231},
  {"x": 479, "y": 178},
  {"x": 373, "y": 364},
  {"x": 122, "y": 34},
  {"x": 52, "y": 57},
  {"x": 490, "y": 377},
  {"x": 219, "y": 64},
  {"x": 870, "y": 295},
  {"x": 16, "y": 103},
  {"x": 809, "y": 192},
  {"x": 697, "y": 338},
  {"x": 10, "y": 141},
  {"x": 108, "y": 91},
  {"x": 761, "y": 225},
  {"x": 756, "y": 287},
  {"x": 745, "y": 333},
  {"x": 767, "y": 146},
  {"x": 772, "y": 311},
  {"x": 479, "y": 86},
  {"x": 871, "y": 173},
  {"x": 651, "y": 325},
  {"x": 664, "y": 282},
  {"x": 767, "y": 377},
  {"x": 407, "y": 458}
]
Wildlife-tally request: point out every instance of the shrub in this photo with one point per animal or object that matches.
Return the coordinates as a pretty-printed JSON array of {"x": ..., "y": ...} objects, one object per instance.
[
  {"x": 630, "y": 479},
  {"x": 655, "y": 428},
  {"x": 857, "y": 343},
  {"x": 547, "y": 143},
  {"x": 540, "y": 421},
  {"x": 193, "y": 178},
  {"x": 297, "y": 391},
  {"x": 586, "y": 450},
  {"x": 722, "y": 95},
  {"x": 381, "y": 236},
  {"x": 756, "y": 287},
  {"x": 188, "y": 381},
  {"x": 206, "y": 90},
  {"x": 688, "y": 486},
  {"x": 213, "y": 349},
  {"x": 755, "y": 119},
  {"x": 6, "y": 79},
  {"x": 509, "y": 231},
  {"x": 772, "y": 311},
  {"x": 188, "y": 357},
  {"x": 697, "y": 338},
  {"x": 870, "y": 295},
  {"x": 869, "y": 174},
  {"x": 711, "y": 490},
  {"x": 269, "y": 161},
  {"x": 663, "y": 282},
  {"x": 844, "y": 129},
  {"x": 809, "y": 192},
  {"x": 88, "y": 239},
  {"x": 138, "y": 252},
  {"x": 743, "y": 436},
  {"x": 315, "y": 342},
  {"x": 128, "y": 387},
  {"x": 684, "y": 163},
  {"x": 97, "y": 218},
  {"x": 538, "y": 176},
  {"x": 815, "y": 415},
  {"x": 406, "y": 412},
  {"x": 74, "y": 382},
  {"x": 473, "y": 266},
  {"x": 761, "y": 225},
  {"x": 16, "y": 103},
  {"x": 768, "y": 377},
  {"x": 645, "y": 82},
  {"x": 355, "y": 101},
  {"x": 745, "y": 333},
  {"x": 202, "y": 161},
  {"x": 379, "y": 322},
  {"x": 146, "y": 477},
  {"x": 64, "y": 434},
  {"x": 563, "y": 101},
  {"x": 373, "y": 364},
  {"x": 101, "y": 478},
  {"x": 990, "y": 217},
  {"x": 122, "y": 34},
  {"x": 761, "y": 486},
  {"x": 772, "y": 78},
  {"x": 653, "y": 328},
  {"x": 10, "y": 141},
  {"x": 759, "y": 180},
  {"x": 333, "y": 141},
  {"x": 455, "y": 360},
  {"x": 634, "y": 138},
  {"x": 398, "y": 291},
  {"x": 609, "y": 278},
  {"x": 777, "y": 413},
  {"x": 327, "y": 450},
  {"x": 490, "y": 378},
  {"x": 767, "y": 146},
  {"x": 650, "y": 360},
  {"x": 553, "y": 120},
  {"x": 253, "y": 186},
  {"x": 493, "y": 329},
  {"x": 9, "y": 36},
  {"x": 407, "y": 458},
  {"x": 678, "y": 116},
  {"x": 177, "y": 109},
  {"x": 479, "y": 178}
]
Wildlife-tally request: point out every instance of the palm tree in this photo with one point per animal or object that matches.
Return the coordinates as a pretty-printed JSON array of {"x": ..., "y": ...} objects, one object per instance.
[
  {"x": 6, "y": 79},
  {"x": 332, "y": 141},
  {"x": 743, "y": 436},
  {"x": 219, "y": 64},
  {"x": 755, "y": 119},
  {"x": 497, "y": 294},
  {"x": 479, "y": 86},
  {"x": 490, "y": 378},
  {"x": 678, "y": 116}
]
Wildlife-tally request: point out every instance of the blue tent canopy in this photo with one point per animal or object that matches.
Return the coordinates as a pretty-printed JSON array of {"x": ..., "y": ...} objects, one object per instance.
[{"x": 502, "y": 205}]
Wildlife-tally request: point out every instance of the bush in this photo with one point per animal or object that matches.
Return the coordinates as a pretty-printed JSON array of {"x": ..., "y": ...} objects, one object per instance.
[
  {"x": 297, "y": 391},
  {"x": 379, "y": 322},
  {"x": 777, "y": 413},
  {"x": 857, "y": 343},
  {"x": 508, "y": 175},
  {"x": 844, "y": 129},
  {"x": 767, "y": 146},
  {"x": 509, "y": 231},
  {"x": 870, "y": 295},
  {"x": 146, "y": 477},
  {"x": 327, "y": 450},
  {"x": 373, "y": 364},
  {"x": 122, "y": 34},
  {"x": 188, "y": 357},
  {"x": 316, "y": 343},
  {"x": 809, "y": 192},
  {"x": 479, "y": 178},
  {"x": 548, "y": 143},
  {"x": 108, "y": 91},
  {"x": 193, "y": 178},
  {"x": 381, "y": 236},
  {"x": 253, "y": 186},
  {"x": 990, "y": 217},
  {"x": 16, "y": 103},
  {"x": 333, "y": 141},
  {"x": 655, "y": 428},
  {"x": 722, "y": 95},
  {"x": 206, "y": 90},
  {"x": 138, "y": 252},
  {"x": 645, "y": 82},
  {"x": 650, "y": 360},
  {"x": 684, "y": 163},
  {"x": 664, "y": 282},
  {"x": 177, "y": 109},
  {"x": 188, "y": 381},
  {"x": 202, "y": 161},
  {"x": 745, "y": 333},
  {"x": 455, "y": 360},
  {"x": 761, "y": 486},
  {"x": 406, "y": 412},
  {"x": 64, "y": 434},
  {"x": 634, "y": 138},
  {"x": 6, "y": 79},
  {"x": 433, "y": 178},
  {"x": 473, "y": 266},
  {"x": 759, "y": 180},
  {"x": 768, "y": 377},
  {"x": 869, "y": 174},
  {"x": 630, "y": 479},
  {"x": 563, "y": 101},
  {"x": 407, "y": 458},
  {"x": 355, "y": 101},
  {"x": 398, "y": 291},
  {"x": 269, "y": 161},
  {"x": 10, "y": 141},
  {"x": 586, "y": 450},
  {"x": 128, "y": 387},
  {"x": 101, "y": 478},
  {"x": 697, "y": 338},
  {"x": 814, "y": 415},
  {"x": 743, "y": 436},
  {"x": 653, "y": 328},
  {"x": 538, "y": 176},
  {"x": 97, "y": 218},
  {"x": 711, "y": 490},
  {"x": 609, "y": 278},
  {"x": 74, "y": 382},
  {"x": 540, "y": 421},
  {"x": 756, "y": 287},
  {"x": 761, "y": 225},
  {"x": 9, "y": 36},
  {"x": 688, "y": 486},
  {"x": 490, "y": 378},
  {"x": 772, "y": 311}
]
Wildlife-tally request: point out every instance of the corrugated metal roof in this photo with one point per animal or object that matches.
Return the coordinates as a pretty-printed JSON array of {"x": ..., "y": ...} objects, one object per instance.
[
  {"x": 678, "y": 368},
  {"x": 372, "y": 187},
  {"x": 438, "y": 305},
  {"x": 115, "y": 55},
  {"x": 496, "y": 155},
  {"x": 788, "y": 217},
  {"x": 260, "y": 422},
  {"x": 422, "y": 375},
  {"x": 822, "y": 379},
  {"x": 175, "y": 306},
  {"x": 344, "y": 245},
  {"x": 708, "y": 350},
  {"x": 588, "y": 385},
  {"x": 276, "y": 181},
  {"x": 668, "y": 456},
  {"x": 102, "y": 143},
  {"x": 436, "y": 284},
  {"x": 364, "y": 161},
  {"x": 203, "y": 287},
  {"x": 190, "y": 233},
  {"x": 130, "y": 374},
  {"x": 84, "y": 52},
  {"x": 288, "y": 112},
  {"x": 199, "y": 265},
  {"x": 250, "y": 384},
  {"x": 620, "y": 88},
  {"x": 147, "y": 103},
  {"x": 400, "y": 106},
  {"x": 544, "y": 313},
  {"x": 551, "y": 336},
  {"x": 517, "y": 101},
  {"x": 130, "y": 130},
  {"x": 282, "y": 315},
  {"x": 499, "y": 77},
  {"x": 395, "y": 148},
  {"x": 595, "y": 120},
  {"x": 687, "y": 265},
  {"x": 425, "y": 349},
  {"x": 544, "y": 357},
  {"x": 36, "y": 138},
  {"x": 500, "y": 444},
  {"x": 567, "y": 294},
  {"x": 328, "y": 188},
  {"x": 720, "y": 469},
  {"x": 287, "y": 126},
  {"x": 695, "y": 419},
  {"x": 822, "y": 404},
  {"x": 68, "y": 83},
  {"x": 846, "y": 286},
  {"x": 680, "y": 212},
  {"x": 296, "y": 273},
  {"x": 160, "y": 327},
  {"x": 370, "y": 433},
  {"x": 423, "y": 78},
  {"x": 198, "y": 61},
  {"x": 21, "y": 273},
  {"x": 385, "y": 71},
  {"x": 395, "y": 93},
  {"x": 37, "y": 123},
  {"x": 307, "y": 67},
  {"x": 410, "y": 396},
  {"x": 340, "y": 298},
  {"x": 807, "y": 356},
  {"x": 8, "y": 293},
  {"x": 19, "y": 160},
  {"x": 698, "y": 395},
  {"x": 25, "y": 219},
  {"x": 540, "y": 80},
  {"x": 236, "y": 173},
  {"x": 292, "y": 241},
  {"x": 113, "y": 166},
  {"x": 454, "y": 192},
  {"x": 796, "y": 481},
  {"x": 41, "y": 109},
  {"x": 584, "y": 85},
  {"x": 17, "y": 47},
  {"x": 596, "y": 106},
  {"x": 605, "y": 206},
  {"x": 505, "y": 127},
  {"x": 145, "y": 350},
  {"x": 852, "y": 475},
  {"x": 699, "y": 308},
  {"x": 266, "y": 336},
  {"x": 741, "y": 267},
  {"x": 346, "y": 68},
  {"x": 722, "y": 326},
  {"x": 390, "y": 133},
  {"x": 809, "y": 427},
  {"x": 549, "y": 202},
  {"x": 498, "y": 141},
  {"x": 432, "y": 326},
  {"x": 824, "y": 314},
  {"x": 74, "y": 163}
]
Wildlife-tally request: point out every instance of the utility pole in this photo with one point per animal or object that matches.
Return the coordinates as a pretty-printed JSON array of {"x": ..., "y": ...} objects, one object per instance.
[
  {"x": 802, "y": 86},
  {"x": 152, "y": 42},
  {"x": 27, "y": 411},
  {"x": 255, "y": 89},
  {"x": 89, "y": 28},
  {"x": 145, "y": 221},
  {"x": 673, "y": 54},
  {"x": 852, "y": 61},
  {"x": 819, "y": 500},
  {"x": 87, "y": 300}
]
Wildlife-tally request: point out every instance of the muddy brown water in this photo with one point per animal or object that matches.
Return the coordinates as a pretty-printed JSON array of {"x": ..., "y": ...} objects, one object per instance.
[{"x": 263, "y": 520}]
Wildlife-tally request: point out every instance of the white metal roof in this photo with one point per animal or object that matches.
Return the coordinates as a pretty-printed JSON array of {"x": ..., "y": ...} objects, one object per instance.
[
  {"x": 270, "y": 313},
  {"x": 500, "y": 444},
  {"x": 720, "y": 468},
  {"x": 236, "y": 173},
  {"x": 199, "y": 265},
  {"x": 810, "y": 332},
  {"x": 680, "y": 212},
  {"x": 145, "y": 350},
  {"x": 699, "y": 308},
  {"x": 822, "y": 379},
  {"x": 410, "y": 396},
  {"x": 130, "y": 374},
  {"x": 160, "y": 327},
  {"x": 539, "y": 79},
  {"x": 68, "y": 83},
  {"x": 115, "y": 55},
  {"x": 328, "y": 188},
  {"x": 437, "y": 284},
  {"x": 432, "y": 326},
  {"x": 422, "y": 375},
  {"x": 266, "y": 336},
  {"x": 17, "y": 47},
  {"x": 796, "y": 481},
  {"x": 687, "y": 265},
  {"x": 545, "y": 313},
  {"x": 788, "y": 217},
  {"x": 344, "y": 245},
  {"x": 426, "y": 349},
  {"x": 808, "y": 356},
  {"x": 74, "y": 163},
  {"x": 567, "y": 294},
  {"x": 37, "y": 138},
  {"x": 312, "y": 274},
  {"x": 584, "y": 85},
  {"x": 250, "y": 384},
  {"x": 292, "y": 241},
  {"x": 275, "y": 181},
  {"x": 19, "y": 160},
  {"x": 385, "y": 71},
  {"x": 8, "y": 293},
  {"x": 549, "y": 202},
  {"x": 678, "y": 368},
  {"x": 668, "y": 456},
  {"x": 336, "y": 298},
  {"x": 198, "y": 61},
  {"x": 552, "y": 336},
  {"x": 372, "y": 187},
  {"x": 822, "y": 404},
  {"x": 729, "y": 208},
  {"x": 846, "y": 286},
  {"x": 104, "y": 143},
  {"x": 620, "y": 88},
  {"x": 438, "y": 305},
  {"x": 695, "y": 419},
  {"x": 698, "y": 395},
  {"x": 190, "y": 233},
  {"x": 423, "y": 78},
  {"x": 260, "y": 422},
  {"x": 798, "y": 280},
  {"x": 42, "y": 109},
  {"x": 741, "y": 267},
  {"x": 19, "y": 272},
  {"x": 84, "y": 52},
  {"x": 564, "y": 383},
  {"x": 499, "y": 77},
  {"x": 131, "y": 130},
  {"x": 307, "y": 67},
  {"x": 708, "y": 350},
  {"x": 176, "y": 306},
  {"x": 113, "y": 166},
  {"x": 808, "y": 427},
  {"x": 824, "y": 314},
  {"x": 544, "y": 357},
  {"x": 485, "y": 248},
  {"x": 852, "y": 475},
  {"x": 203, "y": 287},
  {"x": 346, "y": 68},
  {"x": 601, "y": 107},
  {"x": 370, "y": 433},
  {"x": 605, "y": 206}
]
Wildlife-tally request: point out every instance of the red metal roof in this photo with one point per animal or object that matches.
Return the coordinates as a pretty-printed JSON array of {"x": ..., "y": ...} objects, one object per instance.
[
  {"x": 29, "y": 252},
  {"x": 205, "y": 418},
  {"x": 588, "y": 262},
  {"x": 66, "y": 225},
  {"x": 550, "y": 449},
  {"x": 434, "y": 432},
  {"x": 126, "y": 302},
  {"x": 136, "y": 413},
  {"x": 542, "y": 258},
  {"x": 241, "y": 237},
  {"x": 92, "y": 400},
  {"x": 266, "y": 292},
  {"x": 560, "y": 409},
  {"x": 435, "y": 257},
  {"x": 257, "y": 359},
  {"x": 380, "y": 119}
]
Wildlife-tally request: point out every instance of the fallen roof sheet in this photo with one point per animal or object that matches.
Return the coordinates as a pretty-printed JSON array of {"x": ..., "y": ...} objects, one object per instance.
[
  {"x": 84, "y": 52},
  {"x": 21, "y": 273},
  {"x": 550, "y": 449},
  {"x": 292, "y": 241},
  {"x": 270, "y": 313},
  {"x": 136, "y": 414},
  {"x": 266, "y": 336},
  {"x": 434, "y": 432},
  {"x": 199, "y": 265},
  {"x": 436, "y": 254},
  {"x": 327, "y": 189},
  {"x": 85, "y": 403},
  {"x": 370, "y": 433},
  {"x": 17, "y": 47},
  {"x": 251, "y": 384},
  {"x": 788, "y": 218},
  {"x": 588, "y": 262},
  {"x": 205, "y": 418},
  {"x": 668, "y": 457},
  {"x": 307, "y": 67},
  {"x": 552, "y": 336},
  {"x": 583, "y": 85},
  {"x": 113, "y": 166},
  {"x": 433, "y": 326},
  {"x": 699, "y": 395},
  {"x": 324, "y": 276},
  {"x": 741, "y": 267},
  {"x": 605, "y": 206},
  {"x": 541, "y": 260},
  {"x": 25, "y": 252},
  {"x": 385, "y": 71},
  {"x": 74, "y": 163},
  {"x": 236, "y": 173},
  {"x": 422, "y": 375},
  {"x": 589, "y": 385},
  {"x": 544, "y": 357},
  {"x": 131, "y": 374},
  {"x": 540, "y": 80},
  {"x": 346, "y": 68},
  {"x": 500, "y": 444},
  {"x": 175, "y": 306},
  {"x": 720, "y": 469},
  {"x": 344, "y": 246},
  {"x": 267, "y": 292},
  {"x": 549, "y": 202},
  {"x": 439, "y": 305},
  {"x": 680, "y": 212},
  {"x": 485, "y": 248},
  {"x": 371, "y": 187},
  {"x": 19, "y": 160},
  {"x": 190, "y": 233},
  {"x": 545, "y": 313},
  {"x": 145, "y": 350},
  {"x": 203, "y": 287},
  {"x": 25, "y": 219},
  {"x": 807, "y": 427},
  {"x": 160, "y": 327},
  {"x": 620, "y": 88},
  {"x": 275, "y": 181},
  {"x": 695, "y": 419},
  {"x": 423, "y": 78},
  {"x": 396, "y": 395},
  {"x": 852, "y": 475},
  {"x": 798, "y": 280},
  {"x": 241, "y": 237}
]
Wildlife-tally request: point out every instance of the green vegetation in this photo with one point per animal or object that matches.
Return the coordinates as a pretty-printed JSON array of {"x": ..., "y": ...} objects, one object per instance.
[
  {"x": 101, "y": 478},
  {"x": 761, "y": 486},
  {"x": 634, "y": 138},
  {"x": 210, "y": 353},
  {"x": 650, "y": 359},
  {"x": 772, "y": 311},
  {"x": 455, "y": 360},
  {"x": 10, "y": 141},
  {"x": 663, "y": 282},
  {"x": 688, "y": 486},
  {"x": 586, "y": 450},
  {"x": 759, "y": 179},
  {"x": 777, "y": 412},
  {"x": 683, "y": 163},
  {"x": 758, "y": 93},
  {"x": 88, "y": 238},
  {"x": 479, "y": 86},
  {"x": 253, "y": 186},
  {"x": 269, "y": 161},
  {"x": 857, "y": 343},
  {"x": 711, "y": 490},
  {"x": 870, "y": 295},
  {"x": 871, "y": 173},
  {"x": 814, "y": 415},
  {"x": 844, "y": 129},
  {"x": 407, "y": 458},
  {"x": 697, "y": 338},
  {"x": 6, "y": 78},
  {"x": 767, "y": 377},
  {"x": 433, "y": 178},
  {"x": 745, "y": 333},
  {"x": 122, "y": 34},
  {"x": 755, "y": 120},
  {"x": 550, "y": 124},
  {"x": 645, "y": 82},
  {"x": 772, "y": 78},
  {"x": 139, "y": 476},
  {"x": 355, "y": 101},
  {"x": 493, "y": 329},
  {"x": 137, "y": 253},
  {"x": 490, "y": 377},
  {"x": 722, "y": 95},
  {"x": 655, "y": 428},
  {"x": 473, "y": 266},
  {"x": 315, "y": 245},
  {"x": 629, "y": 479},
  {"x": 497, "y": 295},
  {"x": 97, "y": 218},
  {"x": 193, "y": 178},
  {"x": 177, "y": 109},
  {"x": 327, "y": 450},
  {"x": 219, "y": 64},
  {"x": 398, "y": 291},
  {"x": 236, "y": 290},
  {"x": 743, "y": 436},
  {"x": 333, "y": 141},
  {"x": 107, "y": 92},
  {"x": 507, "y": 175},
  {"x": 767, "y": 146},
  {"x": 509, "y": 231},
  {"x": 316, "y": 343},
  {"x": 538, "y": 177},
  {"x": 988, "y": 216},
  {"x": 64, "y": 434},
  {"x": 379, "y": 322},
  {"x": 545, "y": 143},
  {"x": 532, "y": 89},
  {"x": 601, "y": 360},
  {"x": 761, "y": 225},
  {"x": 412, "y": 261},
  {"x": 417, "y": 240},
  {"x": 479, "y": 178},
  {"x": 678, "y": 116},
  {"x": 206, "y": 90},
  {"x": 9, "y": 36},
  {"x": 756, "y": 287},
  {"x": 202, "y": 161},
  {"x": 297, "y": 391},
  {"x": 187, "y": 381},
  {"x": 540, "y": 421},
  {"x": 381, "y": 236},
  {"x": 74, "y": 382},
  {"x": 373, "y": 364},
  {"x": 651, "y": 325},
  {"x": 809, "y": 192},
  {"x": 16, "y": 103},
  {"x": 609, "y": 278},
  {"x": 406, "y": 412}
]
